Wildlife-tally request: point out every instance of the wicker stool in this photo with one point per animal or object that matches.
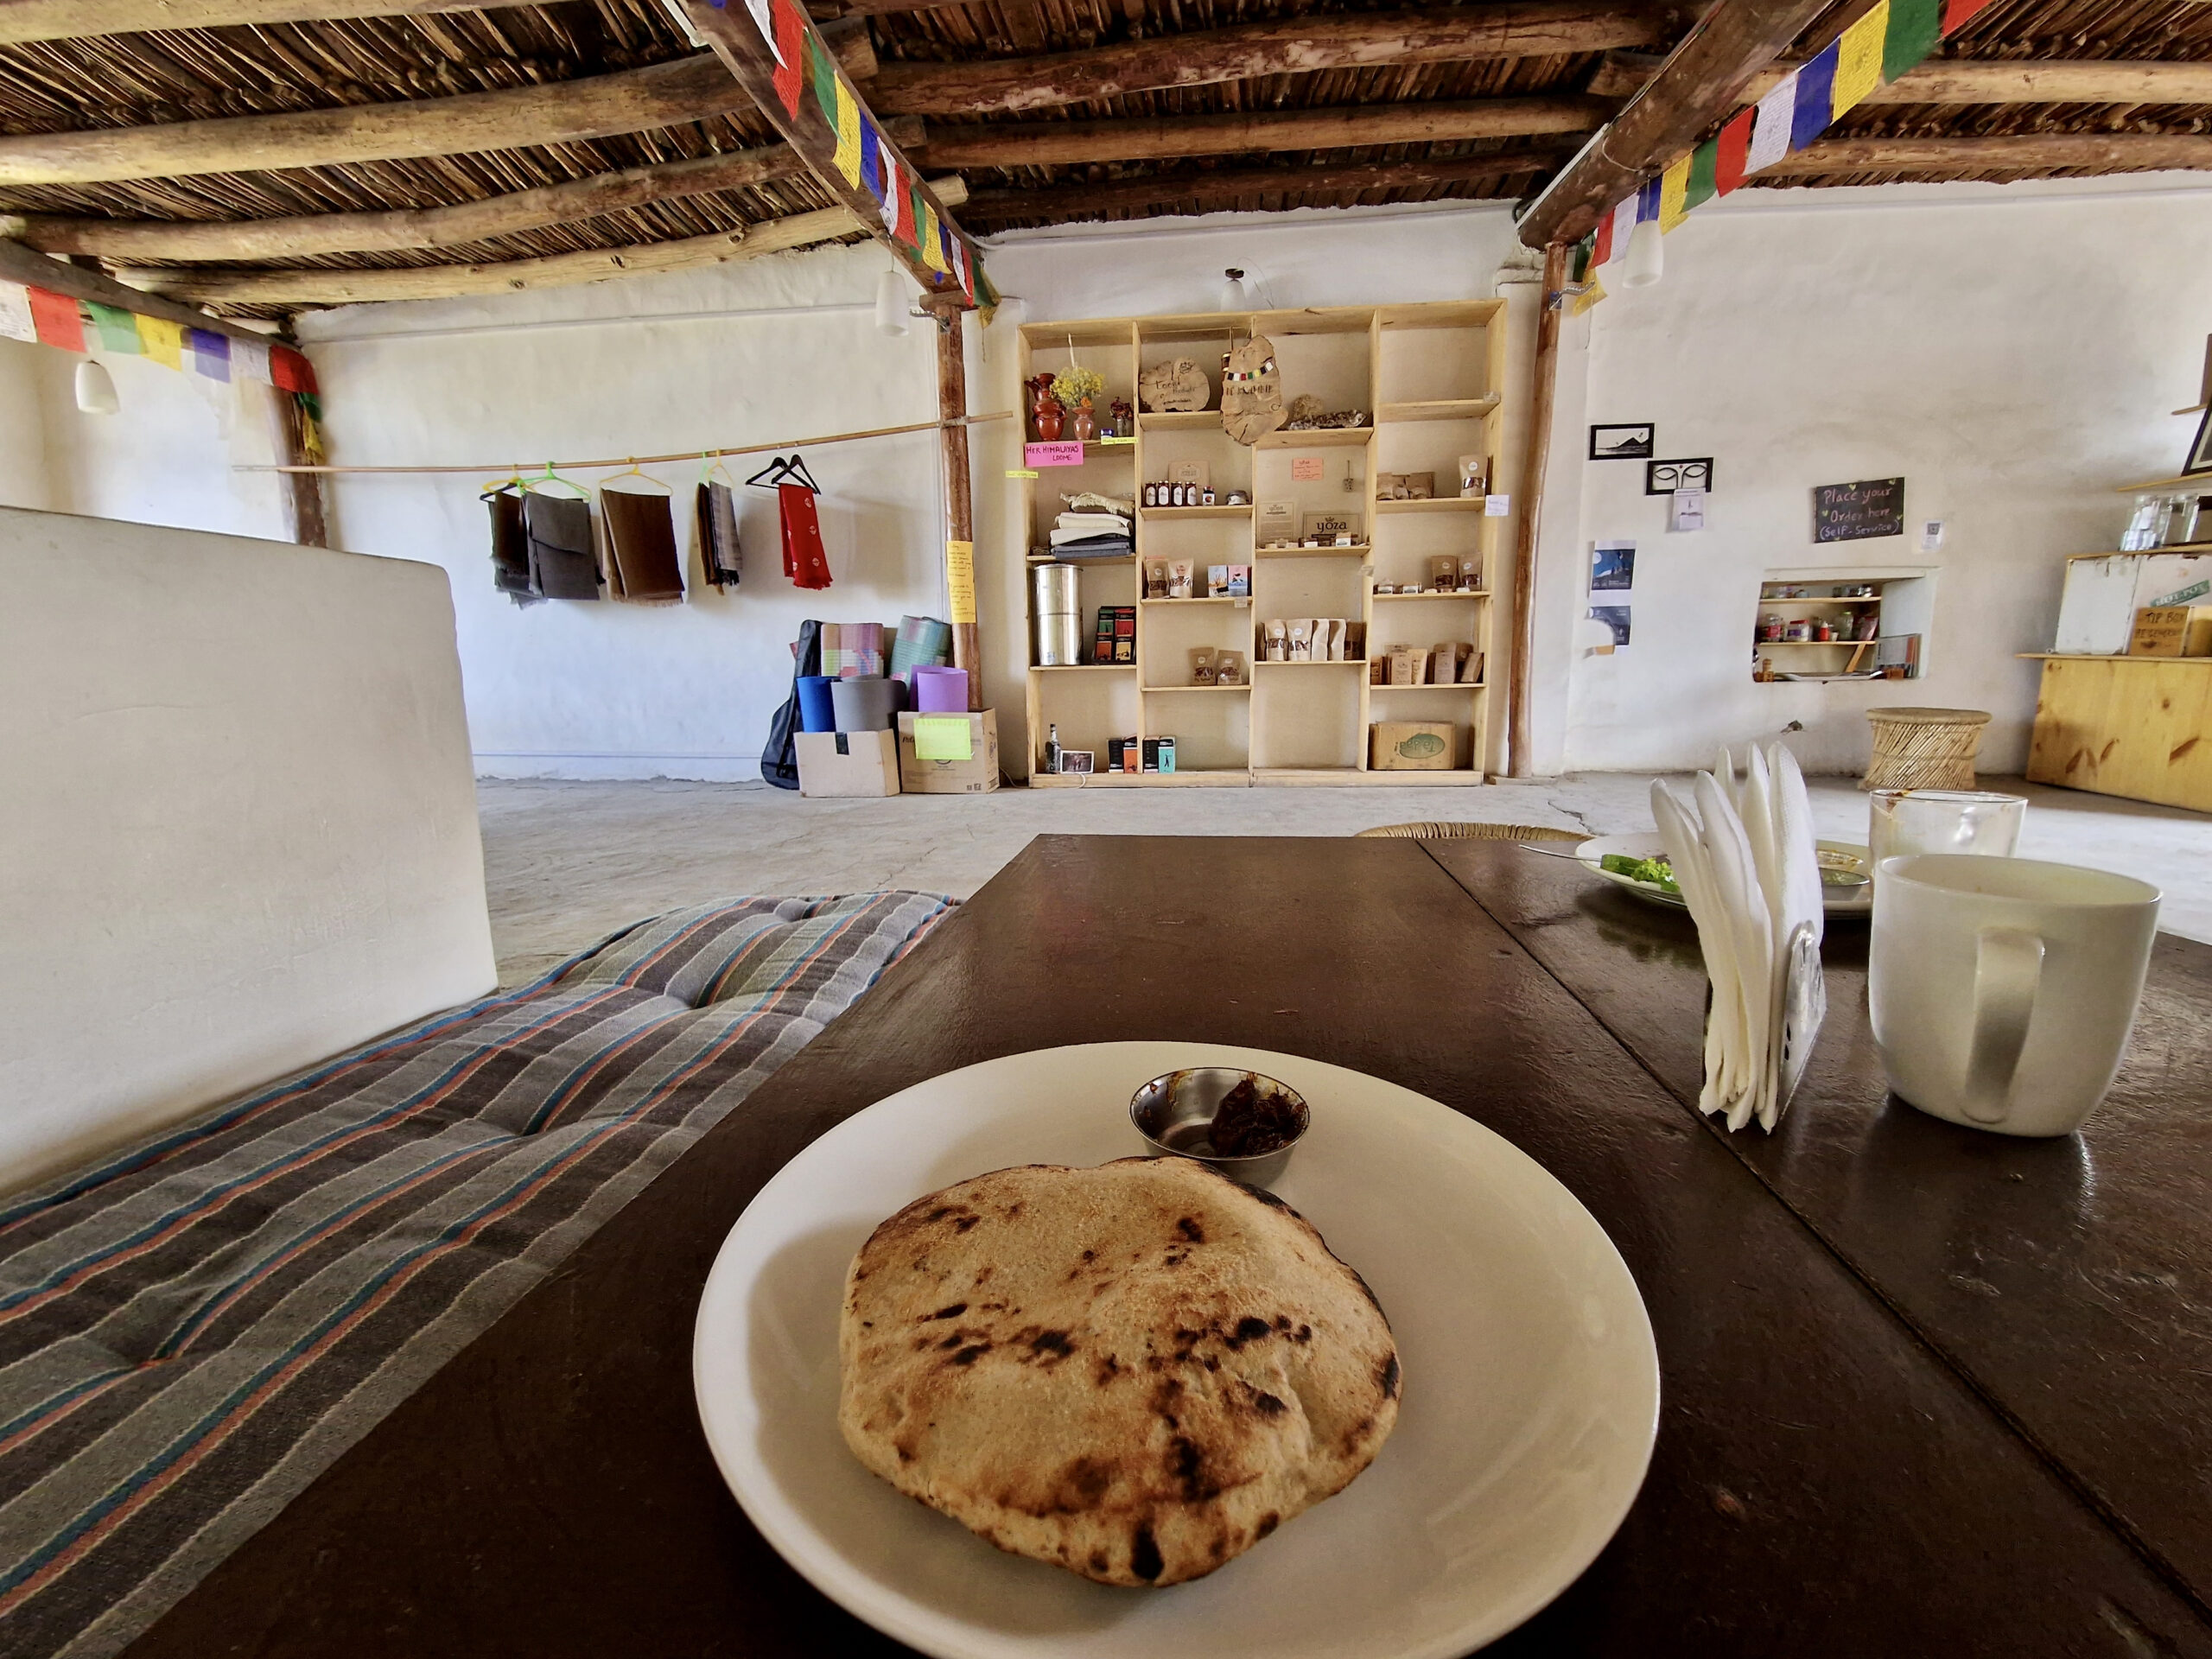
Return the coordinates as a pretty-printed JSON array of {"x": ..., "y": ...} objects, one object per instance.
[
  {"x": 1923, "y": 748},
  {"x": 1472, "y": 832}
]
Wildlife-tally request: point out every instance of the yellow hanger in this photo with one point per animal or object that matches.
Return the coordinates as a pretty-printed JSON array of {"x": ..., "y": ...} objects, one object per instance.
[
  {"x": 494, "y": 486},
  {"x": 710, "y": 462},
  {"x": 548, "y": 477},
  {"x": 637, "y": 472}
]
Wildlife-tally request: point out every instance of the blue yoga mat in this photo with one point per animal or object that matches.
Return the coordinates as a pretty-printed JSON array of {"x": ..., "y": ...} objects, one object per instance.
[{"x": 816, "y": 711}]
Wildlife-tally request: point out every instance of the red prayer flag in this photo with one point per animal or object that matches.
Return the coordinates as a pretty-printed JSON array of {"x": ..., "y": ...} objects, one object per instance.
[
  {"x": 290, "y": 371},
  {"x": 1603, "y": 250},
  {"x": 1730, "y": 148},
  {"x": 1956, "y": 13},
  {"x": 790, "y": 46},
  {"x": 56, "y": 320}
]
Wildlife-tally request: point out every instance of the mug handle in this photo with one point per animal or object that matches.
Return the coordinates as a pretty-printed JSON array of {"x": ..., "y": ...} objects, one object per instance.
[{"x": 2008, "y": 967}]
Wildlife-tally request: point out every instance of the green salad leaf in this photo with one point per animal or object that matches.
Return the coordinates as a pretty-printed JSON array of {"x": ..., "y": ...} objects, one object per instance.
[{"x": 1652, "y": 872}]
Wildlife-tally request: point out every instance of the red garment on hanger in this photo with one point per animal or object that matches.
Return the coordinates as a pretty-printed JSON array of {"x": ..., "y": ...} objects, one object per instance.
[{"x": 805, "y": 561}]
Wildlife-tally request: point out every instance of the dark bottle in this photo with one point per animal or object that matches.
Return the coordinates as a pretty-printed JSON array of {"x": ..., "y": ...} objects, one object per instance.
[{"x": 1052, "y": 748}]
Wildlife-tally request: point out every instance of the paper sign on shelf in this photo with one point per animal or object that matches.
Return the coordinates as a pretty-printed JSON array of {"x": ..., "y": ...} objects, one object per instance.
[
  {"x": 1117, "y": 440},
  {"x": 1305, "y": 468},
  {"x": 1069, "y": 454},
  {"x": 1497, "y": 507},
  {"x": 943, "y": 737},
  {"x": 960, "y": 581},
  {"x": 1021, "y": 471}
]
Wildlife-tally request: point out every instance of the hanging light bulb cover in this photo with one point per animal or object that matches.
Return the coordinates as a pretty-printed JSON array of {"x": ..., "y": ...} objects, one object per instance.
[
  {"x": 1647, "y": 254},
  {"x": 891, "y": 305},
  {"x": 1235, "y": 296},
  {"x": 96, "y": 389}
]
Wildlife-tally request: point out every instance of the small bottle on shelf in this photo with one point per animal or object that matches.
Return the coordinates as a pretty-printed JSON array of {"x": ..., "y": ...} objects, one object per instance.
[{"x": 1052, "y": 748}]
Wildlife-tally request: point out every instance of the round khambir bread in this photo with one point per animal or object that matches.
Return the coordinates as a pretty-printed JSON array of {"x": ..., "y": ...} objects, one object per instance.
[{"x": 1135, "y": 1372}]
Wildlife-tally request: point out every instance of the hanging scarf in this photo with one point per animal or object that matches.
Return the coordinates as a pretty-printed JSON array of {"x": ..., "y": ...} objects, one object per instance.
[{"x": 804, "y": 562}]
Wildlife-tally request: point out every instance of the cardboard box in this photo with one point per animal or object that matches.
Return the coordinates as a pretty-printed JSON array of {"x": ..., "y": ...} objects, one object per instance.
[
  {"x": 1411, "y": 746},
  {"x": 837, "y": 764},
  {"x": 949, "y": 754},
  {"x": 2173, "y": 631}
]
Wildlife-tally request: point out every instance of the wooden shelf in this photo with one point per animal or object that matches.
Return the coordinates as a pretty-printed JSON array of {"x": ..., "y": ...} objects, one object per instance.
[
  {"x": 1328, "y": 437},
  {"x": 1151, "y": 690},
  {"x": 1243, "y": 511},
  {"x": 1446, "y": 314},
  {"x": 1211, "y": 599},
  {"x": 1083, "y": 667},
  {"x": 1325, "y": 662},
  {"x": 1182, "y": 420},
  {"x": 1212, "y": 778},
  {"x": 1822, "y": 644},
  {"x": 1453, "y": 409},
  {"x": 2139, "y": 552},
  {"x": 1463, "y": 593},
  {"x": 1358, "y": 552},
  {"x": 1437, "y": 504},
  {"x": 1440, "y": 686},
  {"x": 2197, "y": 481}
]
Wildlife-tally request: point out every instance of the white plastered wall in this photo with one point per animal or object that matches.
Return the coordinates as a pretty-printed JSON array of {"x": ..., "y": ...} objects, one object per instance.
[
  {"x": 239, "y": 832},
  {"x": 2012, "y": 351}
]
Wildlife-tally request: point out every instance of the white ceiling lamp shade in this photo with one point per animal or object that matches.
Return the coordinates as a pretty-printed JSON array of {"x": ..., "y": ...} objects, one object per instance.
[
  {"x": 891, "y": 304},
  {"x": 1647, "y": 254},
  {"x": 1235, "y": 296},
  {"x": 96, "y": 389}
]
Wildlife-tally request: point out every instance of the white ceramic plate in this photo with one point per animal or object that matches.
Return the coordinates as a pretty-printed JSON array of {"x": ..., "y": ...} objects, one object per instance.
[
  {"x": 1840, "y": 904},
  {"x": 1531, "y": 1383}
]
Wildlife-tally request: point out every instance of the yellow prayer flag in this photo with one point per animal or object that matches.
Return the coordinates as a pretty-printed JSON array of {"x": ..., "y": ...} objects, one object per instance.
[
  {"x": 161, "y": 340},
  {"x": 931, "y": 243},
  {"x": 1859, "y": 58},
  {"x": 847, "y": 158},
  {"x": 1590, "y": 296},
  {"x": 1674, "y": 187}
]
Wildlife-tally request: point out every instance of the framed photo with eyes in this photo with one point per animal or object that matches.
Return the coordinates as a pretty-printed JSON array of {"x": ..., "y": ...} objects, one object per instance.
[{"x": 1665, "y": 477}]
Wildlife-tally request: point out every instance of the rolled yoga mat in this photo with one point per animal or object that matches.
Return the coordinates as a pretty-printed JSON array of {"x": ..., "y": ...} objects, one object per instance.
[
  {"x": 816, "y": 711},
  {"x": 867, "y": 704},
  {"x": 941, "y": 690}
]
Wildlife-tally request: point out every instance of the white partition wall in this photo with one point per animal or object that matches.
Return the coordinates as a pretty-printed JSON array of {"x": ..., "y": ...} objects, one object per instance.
[{"x": 237, "y": 822}]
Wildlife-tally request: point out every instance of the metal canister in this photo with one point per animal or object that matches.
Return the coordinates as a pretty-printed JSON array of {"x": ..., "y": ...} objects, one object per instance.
[{"x": 1056, "y": 614}]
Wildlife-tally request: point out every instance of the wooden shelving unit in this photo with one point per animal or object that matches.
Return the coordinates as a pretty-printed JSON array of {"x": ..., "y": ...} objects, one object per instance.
[{"x": 1432, "y": 376}]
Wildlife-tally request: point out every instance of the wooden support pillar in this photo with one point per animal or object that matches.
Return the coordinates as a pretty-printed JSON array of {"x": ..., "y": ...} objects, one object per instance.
[
  {"x": 302, "y": 492},
  {"x": 1538, "y": 456},
  {"x": 959, "y": 493}
]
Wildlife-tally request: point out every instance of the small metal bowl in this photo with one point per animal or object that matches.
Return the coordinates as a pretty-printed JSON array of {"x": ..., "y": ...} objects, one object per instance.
[{"x": 1174, "y": 1114}]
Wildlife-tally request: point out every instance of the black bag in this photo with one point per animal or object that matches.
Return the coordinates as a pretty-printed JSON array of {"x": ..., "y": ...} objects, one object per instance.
[{"x": 779, "y": 755}]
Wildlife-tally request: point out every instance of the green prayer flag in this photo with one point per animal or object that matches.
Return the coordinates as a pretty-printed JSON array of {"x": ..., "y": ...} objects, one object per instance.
[
  {"x": 825, "y": 77},
  {"x": 1705, "y": 162},
  {"x": 1915, "y": 27},
  {"x": 118, "y": 329}
]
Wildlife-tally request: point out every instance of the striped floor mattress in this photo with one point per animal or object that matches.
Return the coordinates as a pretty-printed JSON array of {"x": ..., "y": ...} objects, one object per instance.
[{"x": 194, "y": 1328}]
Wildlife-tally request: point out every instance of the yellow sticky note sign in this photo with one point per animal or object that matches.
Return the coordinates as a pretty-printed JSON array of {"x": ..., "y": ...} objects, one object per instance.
[
  {"x": 960, "y": 581},
  {"x": 1021, "y": 471},
  {"x": 943, "y": 737}
]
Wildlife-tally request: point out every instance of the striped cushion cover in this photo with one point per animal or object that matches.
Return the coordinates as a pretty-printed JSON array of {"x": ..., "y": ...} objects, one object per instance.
[{"x": 194, "y": 1328}]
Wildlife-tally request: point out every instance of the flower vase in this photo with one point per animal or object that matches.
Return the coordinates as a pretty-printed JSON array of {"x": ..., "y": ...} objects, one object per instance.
[
  {"x": 1086, "y": 426},
  {"x": 1048, "y": 420}
]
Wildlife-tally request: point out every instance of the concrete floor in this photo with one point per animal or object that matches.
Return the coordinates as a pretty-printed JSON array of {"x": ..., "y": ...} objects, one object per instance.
[{"x": 567, "y": 864}]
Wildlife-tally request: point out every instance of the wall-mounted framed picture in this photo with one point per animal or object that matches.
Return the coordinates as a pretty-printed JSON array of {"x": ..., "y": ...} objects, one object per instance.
[
  {"x": 1665, "y": 477},
  {"x": 2200, "y": 451},
  {"x": 1612, "y": 566},
  {"x": 1622, "y": 442}
]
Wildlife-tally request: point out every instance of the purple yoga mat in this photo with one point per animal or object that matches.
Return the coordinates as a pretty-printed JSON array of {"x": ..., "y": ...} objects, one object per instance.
[{"x": 941, "y": 690}]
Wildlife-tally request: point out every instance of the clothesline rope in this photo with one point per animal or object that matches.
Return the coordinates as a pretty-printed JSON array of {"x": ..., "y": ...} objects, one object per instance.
[{"x": 501, "y": 469}]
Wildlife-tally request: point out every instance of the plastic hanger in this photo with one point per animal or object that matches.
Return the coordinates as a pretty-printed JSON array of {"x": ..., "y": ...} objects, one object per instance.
[
  {"x": 500, "y": 486},
  {"x": 782, "y": 469},
  {"x": 549, "y": 478},
  {"x": 637, "y": 472},
  {"x": 710, "y": 462}
]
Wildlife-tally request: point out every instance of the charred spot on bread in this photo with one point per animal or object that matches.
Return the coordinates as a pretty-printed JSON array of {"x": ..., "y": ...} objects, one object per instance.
[{"x": 1145, "y": 1559}]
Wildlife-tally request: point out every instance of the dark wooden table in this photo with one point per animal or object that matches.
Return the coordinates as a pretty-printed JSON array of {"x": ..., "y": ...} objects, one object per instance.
[{"x": 1924, "y": 1391}]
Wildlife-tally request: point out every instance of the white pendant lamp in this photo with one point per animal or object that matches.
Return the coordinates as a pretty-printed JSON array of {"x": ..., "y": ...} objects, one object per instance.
[
  {"x": 1647, "y": 258},
  {"x": 96, "y": 389},
  {"x": 1235, "y": 296},
  {"x": 891, "y": 305}
]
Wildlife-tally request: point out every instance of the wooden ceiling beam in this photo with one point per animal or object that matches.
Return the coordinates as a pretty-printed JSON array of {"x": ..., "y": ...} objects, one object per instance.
[
  {"x": 63, "y": 20},
  {"x": 1514, "y": 28},
  {"x": 1057, "y": 202},
  {"x": 320, "y": 288},
  {"x": 1703, "y": 80},
  {"x": 2036, "y": 153},
  {"x": 21, "y": 264},
  {"x": 1969, "y": 81},
  {"x": 594, "y": 106},
  {"x": 1039, "y": 144},
  {"x": 404, "y": 228},
  {"x": 834, "y": 144}
]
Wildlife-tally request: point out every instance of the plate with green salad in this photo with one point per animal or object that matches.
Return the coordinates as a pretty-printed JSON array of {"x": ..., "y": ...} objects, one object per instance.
[{"x": 1637, "y": 864}]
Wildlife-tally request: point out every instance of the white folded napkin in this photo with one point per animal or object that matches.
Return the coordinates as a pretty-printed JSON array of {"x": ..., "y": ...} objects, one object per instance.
[{"x": 1742, "y": 853}]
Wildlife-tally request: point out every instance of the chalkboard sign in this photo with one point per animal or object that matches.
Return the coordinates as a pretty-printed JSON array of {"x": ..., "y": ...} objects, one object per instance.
[{"x": 1852, "y": 512}]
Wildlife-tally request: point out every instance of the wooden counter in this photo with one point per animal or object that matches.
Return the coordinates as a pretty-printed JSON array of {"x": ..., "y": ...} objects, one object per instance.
[{"x": 2139, "y": 727}]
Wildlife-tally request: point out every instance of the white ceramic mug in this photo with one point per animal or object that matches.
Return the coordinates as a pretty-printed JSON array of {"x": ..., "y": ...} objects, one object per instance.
[{"x": 2003, "y": 989}]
